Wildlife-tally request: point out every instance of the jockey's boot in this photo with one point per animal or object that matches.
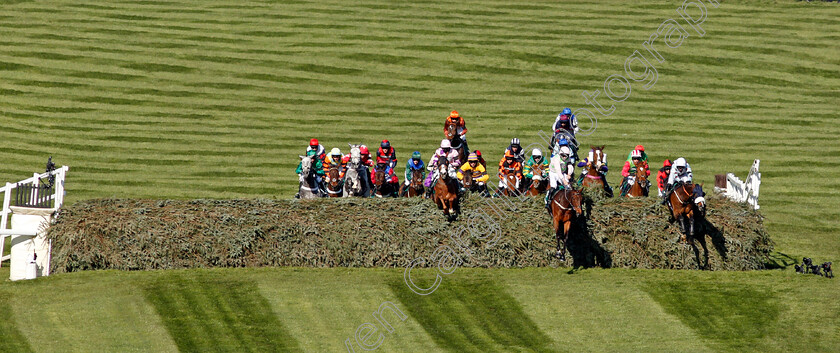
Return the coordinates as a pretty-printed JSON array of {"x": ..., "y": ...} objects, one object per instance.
[
  {"x": 548, "y": 196},
  {"x": 429, "y": 192}
]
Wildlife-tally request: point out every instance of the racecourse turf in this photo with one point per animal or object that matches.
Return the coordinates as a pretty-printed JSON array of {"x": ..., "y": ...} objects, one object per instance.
[{"x": 216, "y": 99}]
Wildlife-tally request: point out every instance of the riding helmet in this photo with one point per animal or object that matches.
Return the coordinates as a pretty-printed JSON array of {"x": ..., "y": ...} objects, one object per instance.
[
  {"x": 536, "y": 152},
  {"x": 566, "y": 111},
  {"x": 454, "y": 114},
  {"x": 415, "y": 155},
  {"x": 385, "y": 144},
  {"x": 313, "y": 142},
  {"x": 445, "y": 143},
  {"x": 514, "y": 142}
]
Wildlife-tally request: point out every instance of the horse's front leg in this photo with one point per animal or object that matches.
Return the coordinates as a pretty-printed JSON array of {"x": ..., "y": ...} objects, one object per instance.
[{"x": 566, "y": 226}]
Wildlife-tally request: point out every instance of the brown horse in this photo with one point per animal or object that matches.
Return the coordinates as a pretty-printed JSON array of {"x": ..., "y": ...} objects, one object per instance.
[
  {"x": 381, "y": 186},
  {"x": 640, "y": 185},
  {"x": 687, "y": 206},
  {"x": 451, "y": 133},
  {"x": 538, "y": 185},
  {"x": 593, "y": 179},
  {"x": 566, "y": 205},
  {"x": 446, "y": 192},
  {"x": 335, "y": 187},
  {"x": 509, "y": 180},
  {"x": 415, "y": 187}
]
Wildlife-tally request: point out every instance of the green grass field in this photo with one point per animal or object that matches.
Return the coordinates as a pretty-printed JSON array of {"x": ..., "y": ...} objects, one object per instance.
[
  {"x": 216, "y": 99},
  {"x": 528, "y": 310}
]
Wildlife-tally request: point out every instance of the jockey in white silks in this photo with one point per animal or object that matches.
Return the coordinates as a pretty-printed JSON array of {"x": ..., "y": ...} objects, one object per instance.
[
  {"x": 680, "y": 173},
  {"x": 445, "y": 152},
  {"x": 561, "y": 170}
]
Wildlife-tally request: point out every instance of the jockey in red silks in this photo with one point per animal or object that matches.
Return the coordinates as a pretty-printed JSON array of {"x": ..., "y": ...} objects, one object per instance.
[
  {"x": 318, "y": 148},
  {"x": 388, "y": 156}
]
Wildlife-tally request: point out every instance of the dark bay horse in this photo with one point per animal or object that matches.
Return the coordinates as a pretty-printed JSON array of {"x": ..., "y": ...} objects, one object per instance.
[
  {"x": 538, "y": 184},
  {"x": 446, "y": 191},
  {"x": 335, "y": 187},
  {"x": 640, "y": 183},
  {"x": 566, "y": 206},
  {"x": 415, "y": 187},
  {"x": 593, "y": 179},
  {"x": 688, "y": 205},
  {"x": 381, "y": 186}
]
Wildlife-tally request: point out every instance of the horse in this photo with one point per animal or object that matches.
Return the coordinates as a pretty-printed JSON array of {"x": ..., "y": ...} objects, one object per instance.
[
  {"x": 538, "y": 183},
  {"x": 446, "y": 191},
  {"x": 381, "y": 186},
  {"x": 308, "y": 184},
  {"x": 451, "y": 133},
  {"x": 415, "y": 187},
  {"x": 566, "y": 205},
  {"x": 511, "y": 187},
  {"x": 354, "y": 184},
  {"x": 334, "y": 187},
  {"x": 640, "y": 187},
  {"x": 593, "y": 179},
  {"x": 688, "y": 204}
]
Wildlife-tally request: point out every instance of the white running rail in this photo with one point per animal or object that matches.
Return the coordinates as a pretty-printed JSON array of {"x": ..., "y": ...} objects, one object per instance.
[
  {"x": 57, "y": 197},
  {"x": 741, "y": 191}
]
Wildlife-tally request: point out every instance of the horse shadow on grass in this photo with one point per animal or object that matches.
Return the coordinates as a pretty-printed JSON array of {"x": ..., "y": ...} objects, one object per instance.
[
  {"x": 583, "y": 248},
  {"x": 706, "y": 228}
]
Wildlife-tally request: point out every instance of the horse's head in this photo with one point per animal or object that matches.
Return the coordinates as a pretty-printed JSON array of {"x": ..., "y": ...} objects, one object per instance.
[
  {"x": 577, "y": 201},
  {"x": 334, "y": 174},
  {"x": 417, "y": 177},
  {"x": 305, "y": 166},
  {"x": 355, "y": 155},
  {"x": 379, "y": 174},
  {"x": 597, "y": 156},
  {"x": 450, "y": 130},
  {"x": 641, "y": 171},
  {"x": 700, "y": 199},
  {"x": 468, "y": 180}
]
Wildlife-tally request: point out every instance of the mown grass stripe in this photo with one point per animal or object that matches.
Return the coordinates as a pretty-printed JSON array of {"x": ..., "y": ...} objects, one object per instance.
[
  {"x": 11, "y": 338},
  {"x": 209, "y": 315},
  {"x": 736, "y": 316},
  {"x": 473, "y": 315}
]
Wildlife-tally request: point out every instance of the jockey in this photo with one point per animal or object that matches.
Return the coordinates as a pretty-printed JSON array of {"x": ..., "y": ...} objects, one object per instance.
[
  {"x": 386, "y": 154},
  {"x": 630, "y": 170},
  {"x": 481, "y": 159},
  {"x": 414, "y": 163},
  {"x": 509, "y": 164},
  {"x": 334, "y": 157},
  {"x": 680, "y": 173},
  {"x": 460, "y": 127},
  {"x": 562, "y": 141},
  {"x": 560, "y": 172},
  {"x": 662, "y": 176},
  {"x": 477, "y": 171},
  {"x": 639, "y": 148},
  {"x": 515, "y": 150},
  {"x": 565, "y": 121},
  {"x": 316, "y": 165},
  {"x": 444, "y": 152},
  {"x": 315, "y": 146},
  {"x": 365, "y": 152},
  {"x": 536, "y": 159}
]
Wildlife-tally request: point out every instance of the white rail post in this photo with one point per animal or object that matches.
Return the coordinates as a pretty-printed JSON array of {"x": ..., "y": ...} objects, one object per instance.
[{"x": 7, "y": 192}]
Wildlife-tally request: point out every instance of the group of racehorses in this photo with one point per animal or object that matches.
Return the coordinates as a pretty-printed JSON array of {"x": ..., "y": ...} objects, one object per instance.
[{"x": 566, "y": 206}]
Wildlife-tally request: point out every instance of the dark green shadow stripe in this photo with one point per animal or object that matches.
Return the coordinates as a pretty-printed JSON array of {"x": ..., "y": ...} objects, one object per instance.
[
  {"x": 215, "y": 315},
  {"x": 11, "y": 339},
  {"x": 732, "y": 314},
  {"x": 473, "y": 315}
]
